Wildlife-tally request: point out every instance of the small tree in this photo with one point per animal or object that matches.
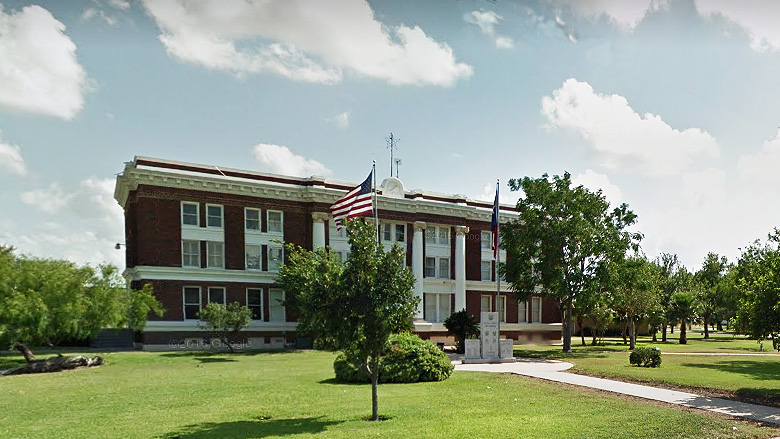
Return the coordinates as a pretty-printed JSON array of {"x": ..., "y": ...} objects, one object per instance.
[
  {"x": 684, "y": 309},
  {"x": 225, "y": 321},
  {"x": 712, "y": 279},
  {"x": 634, "y": 291},
  {"x": 463, "y": 326}
]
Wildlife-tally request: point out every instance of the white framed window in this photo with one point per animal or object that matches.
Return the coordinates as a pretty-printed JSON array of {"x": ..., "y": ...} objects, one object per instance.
[
  {"x": 214, "y": 216},
  {"x": 190, "y": 253},
  {"x": 217, "y": 295},
  {"x": 191, "y": 302},
  {"x": 254, "y": 301},
  {"x": 438, "y": 307},
  {"x": 486, "y": 303},
  {"x": 444, "y": 268},
  {"x": 437, "y": 267},
  {"x": 522, "y": 311},
  {"x": 254, "y": 257},
  {"x": 502, "y": 316},
  {"x": 486, "y": 241},
  {"x": 437, "y": 235},
  {"x": 430, "y": 267},
  {"x": 275, "y": 257},
  {"x": 190, "y": 214},
  {"x": 276, "y": 311},
  {"x": 252, "y": 219},
  {"x": 536, "y": 310},
  {"x": 394, "y": 232},
  {"x": 275, "y": 221},
  {"x": 215, "y": 254},
  {"x": 486, "y": 270}
]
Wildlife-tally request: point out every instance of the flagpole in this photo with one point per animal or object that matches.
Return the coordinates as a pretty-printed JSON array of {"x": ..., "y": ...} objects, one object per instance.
[
  {"x": 376, "y": 205},
  {"x": 498, "y": 277}
]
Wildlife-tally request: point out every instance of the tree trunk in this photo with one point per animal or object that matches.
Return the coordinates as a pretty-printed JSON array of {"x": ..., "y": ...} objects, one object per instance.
[
  {"x": 625, "y": 324},
  {"x": 631, "y": 333},
  {"x": 683, "y": 335},
  {"x": 25, "y": 351},
  {"x": 671, "y": 328},
  {"x": 54, "y": 364},
  {"x": 719, "y": 325},
  {"x": 655, "y": 334},
  {"x": 593, "y": 342},
  {"x": 706, "y": 326},
  {"x": 374, "y": 388},
  {"x": 663, "y": 333},
  {"x": 567, "y": 325},
  {"x": 582, "y": 329}
]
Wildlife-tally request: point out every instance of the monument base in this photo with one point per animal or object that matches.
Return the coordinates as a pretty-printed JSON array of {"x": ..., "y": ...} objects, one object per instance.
[{"x": 488, "y": 360}]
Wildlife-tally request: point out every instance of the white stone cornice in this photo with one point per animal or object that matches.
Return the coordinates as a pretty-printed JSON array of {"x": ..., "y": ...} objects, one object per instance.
[{"x": 148, "y": 272}]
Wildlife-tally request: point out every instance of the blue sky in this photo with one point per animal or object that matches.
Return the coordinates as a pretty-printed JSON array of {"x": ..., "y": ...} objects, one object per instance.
[{"x": 669, "y": 106}]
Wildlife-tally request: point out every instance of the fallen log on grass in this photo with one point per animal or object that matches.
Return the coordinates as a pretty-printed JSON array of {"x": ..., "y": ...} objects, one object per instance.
[{"x": 54, "y": 364}]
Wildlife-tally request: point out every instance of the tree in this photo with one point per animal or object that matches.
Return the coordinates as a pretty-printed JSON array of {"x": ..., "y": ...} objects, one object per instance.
[
  {"x": 225, "y": 321},
  {"x": 684, "y": 309},
  {"x": 463, "y": 326},
  {"x": 561, "y": 241},
  {"x": 712, "y": 280},
  {"x": 634, "y": 292},
  {"x": 358, "y": 304},
  {"x": 670, "y": 276},
  {"x": 758, "y": 282}
]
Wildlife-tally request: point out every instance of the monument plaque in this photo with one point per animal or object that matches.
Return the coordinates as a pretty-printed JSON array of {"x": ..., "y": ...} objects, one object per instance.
[
  {"x": 473, "y": 349},
  {"x": 489, "y": 334}
]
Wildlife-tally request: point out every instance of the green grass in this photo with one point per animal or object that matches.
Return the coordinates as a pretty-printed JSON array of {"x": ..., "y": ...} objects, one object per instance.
[
  {"x": 243, "y": 396},
  {"x": 752, "y": 378}
]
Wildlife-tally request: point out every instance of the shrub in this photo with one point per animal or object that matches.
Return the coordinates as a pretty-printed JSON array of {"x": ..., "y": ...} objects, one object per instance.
[
  {"x": 462, "y": 326},
  {"x": 645, "y": 357},
  {"x": 407, "y": 359}
]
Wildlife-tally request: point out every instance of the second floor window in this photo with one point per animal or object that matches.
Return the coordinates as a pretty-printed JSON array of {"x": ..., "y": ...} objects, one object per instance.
[
  {"x": 252, "y": 219},
  {"x": 392, "y": 232},
  {"x": 189, "y": 214},
  {"x": 213, "y": 216},
  {"x": 215, "y": 254},
  {"x": 254, "y": 301},
  {"x": 486, "y": 270},
  {"x": 437, "y": 267},
  {"x": 437, "y": 235},
  {"x": 254, "y": 257},
  {"x": 275, "y": 224},
  {"x": 487, "y": 240},
  {"x": 275, "y": 257},
  {"x": 190, "y": 253}
]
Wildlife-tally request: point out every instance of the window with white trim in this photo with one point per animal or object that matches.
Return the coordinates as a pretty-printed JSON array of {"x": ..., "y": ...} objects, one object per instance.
[
  {"x": 275, "y": 257},
  {"x": 437, "y": 267},
  {"x": 214, "y": 216},
  {"x": 444, "y": 268},
  {"x": 394, "y": 232},
  {"x": 254, "y": 301},
  {"x": 217, "y": 295},
  {"x": 191, "y": 300},
  {"x": 486, "y": 303},
  {"x": 486, "y": 270},
  {"x": 254, "y": 257},
  {"x": 536, "y": 310},
  {"x": 503, "y": 309},
  {"x": 252, "y": 219},
  {"x": 276, "y": 311},
  {"x": 438, "y": 306},
  {"x": 215, "y": 254},
  {"x": 486, "y": 241},
  {"x": 437, "y": 235},
  {"x": 522, "y": 311},
  {"x": 275, "y": 221},
  {"x": 190, "y": 253},
  {"x": 189, "y": 214}
]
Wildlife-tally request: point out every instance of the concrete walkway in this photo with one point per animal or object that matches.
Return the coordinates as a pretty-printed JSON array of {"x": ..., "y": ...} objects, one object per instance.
[{"x": 552, "y": 370}]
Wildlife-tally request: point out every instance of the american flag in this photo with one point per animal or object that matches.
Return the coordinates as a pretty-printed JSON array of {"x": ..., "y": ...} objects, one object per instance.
[
  {"x": 357, "y": 202},
  {"x": 494, "y": 225}
]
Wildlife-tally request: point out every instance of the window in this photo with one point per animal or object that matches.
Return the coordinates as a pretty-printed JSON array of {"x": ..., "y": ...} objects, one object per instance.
[
  {"x": 392, "y": 232},
  {"x": 217, "y": 295},
  {"x": 254, "y": 301},
  {"x": 430, "y": 267},
  {"x": 536, "y": 309},
  {"x": 522, "y": 311},
  {"x": 254, "y": 257},
  {"x": 252, "y": 219},
  {"x": 275, "y": 257},
  {"x": 486, "y": 303},
  {"x": 437, "y": 307},
  {"x": 190, "y": 253},
  {"x": 400, "y": 233},
  {"x": 276, "y": 311},
  {"x": 387, "y": 232},
  {"x": 215, "y": 254},
  {"x": 189, "y": 214},
  {"x": 438, "y": 267},
  {"x": 486, "y": 240},
  {"x": 191, "y": 302},
  {"x": 275, "y": 221},
  {"x": 503, "y": 309},
  {"x": 486, "y": 270},
  {"x": 437, "y": 235},
  {"x": 213, "y": 215},
  {"x": 444, "y": 268}
]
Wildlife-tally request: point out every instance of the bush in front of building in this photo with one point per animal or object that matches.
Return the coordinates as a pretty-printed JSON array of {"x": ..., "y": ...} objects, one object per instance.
[
  {"x": 407, "y": 359},
  {"x": 645, "y": 357}
]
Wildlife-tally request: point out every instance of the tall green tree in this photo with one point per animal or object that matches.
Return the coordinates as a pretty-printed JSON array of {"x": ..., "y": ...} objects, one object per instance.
[
  {"x": 359, "y": 303},
  {"x": 758, "y": 282},
  {"x": 561, "y": 241},
  {"x": 634, "y": 294},
  {"x": 669, "y": 279},
  {"x": 712, "y": 280},
  {"x": 684, "y": 310}
]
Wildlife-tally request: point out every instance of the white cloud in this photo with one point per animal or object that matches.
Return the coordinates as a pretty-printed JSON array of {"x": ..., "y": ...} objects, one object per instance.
[
  {"x": 39, "y": 72},
  {"x": 624, "y": 139},
  {"x": 489, "y": 194},
  {"x": 487, "y": 21},
  {"x": 280, "y": 160},
  {"x": 594, "y": 181},
  {"x": 625, "y": 14},
  {"x": 757, "y": 17},
  {"x": 341, "y": 120},
  {"x": 11, "y": 159},
  {"x": 303, "y": 40},
  {"x": 762, "y": 167},
  {"x": 91, "y": 13},
  {"x": 90, "y": 199},
  {"x": 120, "y": 4}
]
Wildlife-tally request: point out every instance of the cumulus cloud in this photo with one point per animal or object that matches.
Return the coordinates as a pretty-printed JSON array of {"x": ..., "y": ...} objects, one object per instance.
[
  {"x": 303, "y": 40},
  {"x": 487, "y": 21},
  {"x": 762, "y": 167},
  {"x": 594, "y": 182},
  {"x": 621, "y": 137},
  {"x": 489, "y": 194},
  {"x": 39, "y": 72},
  {"x": 624, "y": 14},
  {"x": 280, "y": 160},
  {"x": 11, "y": 159},
  {"x": 90, "y": 13},
  {"x": 341, "y": 120},
  {"x": 120, "y": 4},
  {"x": 757, "y": 17}
]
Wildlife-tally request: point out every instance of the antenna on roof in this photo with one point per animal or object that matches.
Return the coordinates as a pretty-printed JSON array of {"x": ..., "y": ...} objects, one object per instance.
[
  {"x": 397, "y": 162},
  {"x": 392, "y": 144}
]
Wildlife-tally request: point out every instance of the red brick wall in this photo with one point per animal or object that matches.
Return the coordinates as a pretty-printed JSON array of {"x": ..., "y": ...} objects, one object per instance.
[{"x": 234, "y": 237}]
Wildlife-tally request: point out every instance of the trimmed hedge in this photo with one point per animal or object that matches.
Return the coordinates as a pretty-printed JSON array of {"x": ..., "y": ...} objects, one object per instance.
[
  {"x": 407, "y": 359},
  {"x": 645, "y": 357}
]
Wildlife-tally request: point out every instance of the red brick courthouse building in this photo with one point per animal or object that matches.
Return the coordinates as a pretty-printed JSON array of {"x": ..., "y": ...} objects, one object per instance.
[{"x": 201, "y": 234}]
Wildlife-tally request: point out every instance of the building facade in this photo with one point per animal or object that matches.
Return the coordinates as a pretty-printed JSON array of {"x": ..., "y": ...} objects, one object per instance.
[{"x": 202, "y": 234}]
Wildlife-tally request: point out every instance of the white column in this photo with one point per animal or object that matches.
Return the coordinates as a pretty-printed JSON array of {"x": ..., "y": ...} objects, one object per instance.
[
  {"x": 417, "y": 266},
  {"x": 318, "y": 229},
  {"x": 460, "y": 267}
]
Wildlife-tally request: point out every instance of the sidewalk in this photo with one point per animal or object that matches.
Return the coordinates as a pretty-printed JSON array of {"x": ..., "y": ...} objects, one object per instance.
[{"x": 552, "y": 370}]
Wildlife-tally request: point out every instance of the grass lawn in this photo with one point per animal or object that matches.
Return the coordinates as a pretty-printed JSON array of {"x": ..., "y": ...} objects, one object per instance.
[
  {"x": 753, "y": 378},
  {"x": 243, "y": 396}
]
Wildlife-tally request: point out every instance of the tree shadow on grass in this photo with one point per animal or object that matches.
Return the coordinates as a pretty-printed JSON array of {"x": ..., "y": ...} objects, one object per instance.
[
  {"x": 252, "y": 429},
  {"x": 202, "y": 353},
  {"x": 576, "y": 352},
  {"x": 760, "y": 370}
]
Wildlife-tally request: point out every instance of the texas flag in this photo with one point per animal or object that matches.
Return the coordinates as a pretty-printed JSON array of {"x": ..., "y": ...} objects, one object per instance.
[{"x": 494, "y": 225}]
